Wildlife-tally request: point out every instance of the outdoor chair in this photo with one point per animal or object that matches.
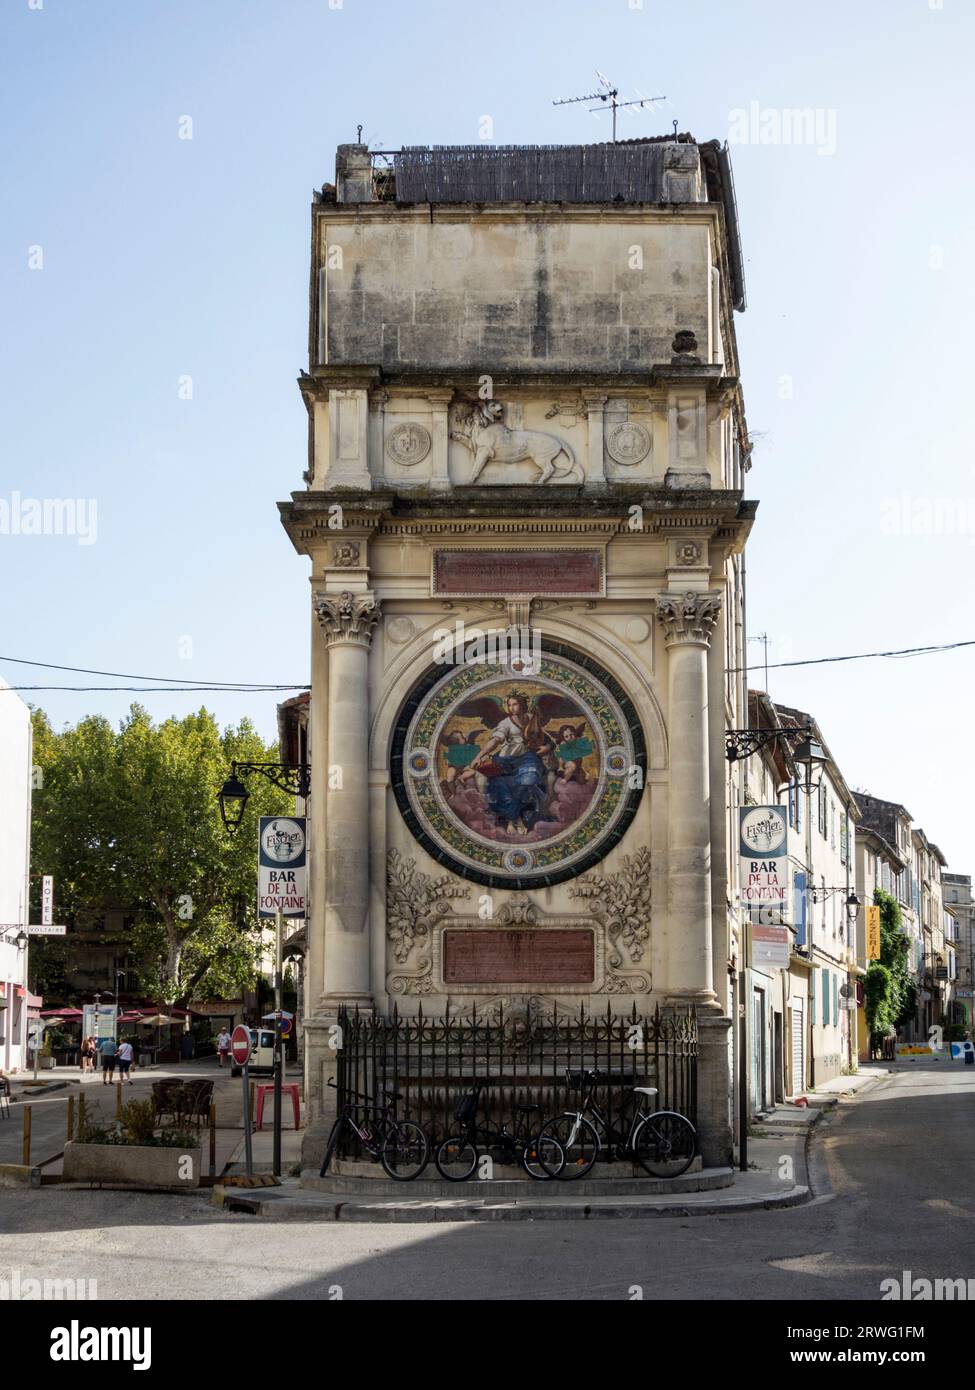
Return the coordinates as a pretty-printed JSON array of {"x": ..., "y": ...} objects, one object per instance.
[
  {"x": 199, "y": 1096},
  {"x": 167, "y": 1100}
]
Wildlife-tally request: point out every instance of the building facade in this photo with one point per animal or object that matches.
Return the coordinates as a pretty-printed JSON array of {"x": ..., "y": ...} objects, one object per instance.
[
  {"x": 16, "y": 1003},
  {"x": 525, "y": 516},
  {"x": 957, "y": 889}
]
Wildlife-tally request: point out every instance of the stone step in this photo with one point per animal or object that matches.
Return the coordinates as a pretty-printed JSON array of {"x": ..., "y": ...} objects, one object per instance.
[{"x": 366, "y": 1189}]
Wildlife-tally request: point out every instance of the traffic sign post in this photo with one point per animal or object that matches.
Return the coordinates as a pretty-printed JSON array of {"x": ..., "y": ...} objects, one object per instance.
[
  {"x": 240, "y": 1050},
  {"x": 278, "y": 1054}
]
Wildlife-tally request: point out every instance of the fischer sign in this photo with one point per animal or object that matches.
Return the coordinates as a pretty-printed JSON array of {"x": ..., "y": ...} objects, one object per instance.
[
  {"x": 282, "y": 856},
  {"x": 763, "y": 857}
]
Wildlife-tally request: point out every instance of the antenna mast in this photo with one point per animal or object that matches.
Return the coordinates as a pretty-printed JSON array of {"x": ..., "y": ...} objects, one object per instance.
[{"x": 609, "y": 94}]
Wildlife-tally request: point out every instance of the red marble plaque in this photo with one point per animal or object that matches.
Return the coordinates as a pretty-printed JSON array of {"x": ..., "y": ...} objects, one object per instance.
[
  {"x": 488, "y": 572},
  {"x": 533, "y": 957}
]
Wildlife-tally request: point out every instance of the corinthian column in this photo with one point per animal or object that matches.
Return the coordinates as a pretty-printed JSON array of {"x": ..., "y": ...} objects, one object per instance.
[
  {"x": 688, "y": 621},
  {"x": 347, "y": 621}
]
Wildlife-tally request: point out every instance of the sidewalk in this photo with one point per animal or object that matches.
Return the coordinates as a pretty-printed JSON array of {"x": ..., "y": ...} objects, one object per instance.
[{"x": 777, "y": 1177}]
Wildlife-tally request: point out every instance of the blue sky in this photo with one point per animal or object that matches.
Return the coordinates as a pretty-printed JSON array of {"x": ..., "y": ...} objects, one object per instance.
[{"x": 166, "y": 258}]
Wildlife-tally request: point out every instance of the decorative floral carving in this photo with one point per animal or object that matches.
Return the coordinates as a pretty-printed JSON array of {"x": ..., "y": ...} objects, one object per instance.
[
  {"x": 346, "y": 618},
  {"x": 346, "y": 554},
  {"x": 414, "y": 903},
  {"x": 521, "y": 912},
  {"x": 689, "y": 617},
  {"x": 621, "y": 902},
  {"x": 689, "y": 553}
]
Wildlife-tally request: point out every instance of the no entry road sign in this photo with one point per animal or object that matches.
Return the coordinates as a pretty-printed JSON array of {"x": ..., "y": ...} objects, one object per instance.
[{"x": 240, "y": 1044}]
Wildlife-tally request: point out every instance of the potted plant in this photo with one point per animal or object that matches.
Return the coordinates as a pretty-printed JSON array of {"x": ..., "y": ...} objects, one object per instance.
[{"x": 130, "y": 1153}]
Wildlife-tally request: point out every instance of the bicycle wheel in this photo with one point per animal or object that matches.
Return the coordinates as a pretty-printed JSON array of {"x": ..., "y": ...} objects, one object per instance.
[
  {"x": 578, "y": 1140},
  {"x": 543, "y": 1157},
  {"x": 665, "y": 1144},
  {"x": 456, "y": 1158},
  {"x": 333, "y": 1142},
  {"x": 405, "y": 1151}
]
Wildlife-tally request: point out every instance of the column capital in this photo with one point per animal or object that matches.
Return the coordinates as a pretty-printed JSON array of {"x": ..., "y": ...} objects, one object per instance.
[
  {"x": 688, "y": 618},
  {"x": 346, "y": 617}
]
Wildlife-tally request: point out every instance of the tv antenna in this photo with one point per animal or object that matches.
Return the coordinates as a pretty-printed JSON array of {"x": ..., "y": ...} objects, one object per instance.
[{"x": 610, "y": 93}]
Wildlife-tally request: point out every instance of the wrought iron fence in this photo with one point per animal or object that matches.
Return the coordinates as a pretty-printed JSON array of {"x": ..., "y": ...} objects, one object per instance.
[{"x": 525, "y": 1054}]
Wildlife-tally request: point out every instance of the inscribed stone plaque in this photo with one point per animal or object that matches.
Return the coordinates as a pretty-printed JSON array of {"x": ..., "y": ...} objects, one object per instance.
[
  {"x": 489, "y": 572},
  {"x": 531, "y": 956}
]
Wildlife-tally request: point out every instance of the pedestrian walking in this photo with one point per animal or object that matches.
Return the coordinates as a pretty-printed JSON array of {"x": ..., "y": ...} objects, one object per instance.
[
  {"x": 87, "y": 1055},
  {"x": 223, "y": 1045},
  {"x": 107, "y": 1050},
  {"x": 124, "y": 1057}
]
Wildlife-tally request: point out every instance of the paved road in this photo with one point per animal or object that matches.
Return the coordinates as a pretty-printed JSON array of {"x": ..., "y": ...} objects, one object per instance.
[{"x": 892, "y": 1167}]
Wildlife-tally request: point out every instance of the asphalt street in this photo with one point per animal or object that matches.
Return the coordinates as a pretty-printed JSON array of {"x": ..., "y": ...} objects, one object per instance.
[{"x": 891, "y": 1168}]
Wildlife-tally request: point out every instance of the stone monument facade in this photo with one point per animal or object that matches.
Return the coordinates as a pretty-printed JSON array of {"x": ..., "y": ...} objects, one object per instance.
[{"x": 525, "y": 516}]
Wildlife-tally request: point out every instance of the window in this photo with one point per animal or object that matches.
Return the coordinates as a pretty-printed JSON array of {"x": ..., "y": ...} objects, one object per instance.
[
  {"x": 822, "y": 810},
  {"x": 832, "y": 825},
  {"x": 799, "y": 907},
  {"x": 844, "y": 837}
]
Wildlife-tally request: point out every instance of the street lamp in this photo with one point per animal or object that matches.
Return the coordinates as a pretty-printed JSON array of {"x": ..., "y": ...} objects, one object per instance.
[
  {"x": 810, "y": 754},
  {"x": 233, "y": 795}
]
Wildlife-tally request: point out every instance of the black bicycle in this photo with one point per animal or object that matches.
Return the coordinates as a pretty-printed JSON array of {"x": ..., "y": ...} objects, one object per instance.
[
  {"x": 663, "y": 1142},
  {"x": 458, "y": 1155},
  {"x": 400, "y": 1145}
]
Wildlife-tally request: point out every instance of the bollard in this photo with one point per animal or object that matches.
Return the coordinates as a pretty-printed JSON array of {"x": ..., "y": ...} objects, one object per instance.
[
  {"x": 70, "y": 1133},
  {"x": 213, "y": 1140},
  {"x": 118, "y": 1100},
  {"x": 27, "y": 1136},
  {"x": 82, "y": 1123}
]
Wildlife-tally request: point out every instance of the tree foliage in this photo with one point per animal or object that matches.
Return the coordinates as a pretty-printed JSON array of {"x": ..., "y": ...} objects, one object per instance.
[
  {"x": 128, "y": 819},
  {"x": 891, "y": 995}
]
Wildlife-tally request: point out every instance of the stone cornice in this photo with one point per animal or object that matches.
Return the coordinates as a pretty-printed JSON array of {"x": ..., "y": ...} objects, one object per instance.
[
  {"x": 724, "y": 516},
  {"x": 370, "y": 377}
]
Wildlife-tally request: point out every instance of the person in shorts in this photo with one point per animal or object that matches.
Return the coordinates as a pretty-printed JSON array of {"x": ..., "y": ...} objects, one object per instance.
[
  {"x": 107, "y": 1050},
  {"x": 124, "y": 1058},
  {"x": 223, "y": 1046}
]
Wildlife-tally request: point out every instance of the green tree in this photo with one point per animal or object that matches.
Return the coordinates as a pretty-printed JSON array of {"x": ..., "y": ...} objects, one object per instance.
[
  {"x": 891, "y": 995},
  {"x": 129, "y": 818}
]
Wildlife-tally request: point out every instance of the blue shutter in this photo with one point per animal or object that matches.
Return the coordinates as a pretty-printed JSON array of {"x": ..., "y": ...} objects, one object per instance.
[
  {"x": 799, "y": 905},
  {"x": 825, "y": 976}
]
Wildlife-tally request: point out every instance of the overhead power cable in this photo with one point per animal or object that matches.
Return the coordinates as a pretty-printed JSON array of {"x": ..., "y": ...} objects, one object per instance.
[
  {"x": 857, "y": 656},
  {"x": 180, "y": 681}
]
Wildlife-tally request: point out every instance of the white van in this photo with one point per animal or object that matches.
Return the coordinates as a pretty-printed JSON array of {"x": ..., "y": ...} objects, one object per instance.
[{"x": 262, "y": 1052}]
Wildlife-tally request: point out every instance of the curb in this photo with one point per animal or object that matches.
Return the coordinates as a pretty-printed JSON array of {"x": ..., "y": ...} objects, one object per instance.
[
  {"x": 19, "y": 1175},
  {"x": 19, "y": 1097},
  {"x": 280, "y": 1209}
]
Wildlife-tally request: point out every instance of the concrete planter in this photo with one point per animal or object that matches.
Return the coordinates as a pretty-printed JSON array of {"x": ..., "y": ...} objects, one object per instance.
[{"x": 133, "y": 1165}]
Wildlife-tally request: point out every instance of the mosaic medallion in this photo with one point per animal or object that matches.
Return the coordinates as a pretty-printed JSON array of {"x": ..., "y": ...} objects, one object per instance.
[{"x": 519, "y": 780}]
